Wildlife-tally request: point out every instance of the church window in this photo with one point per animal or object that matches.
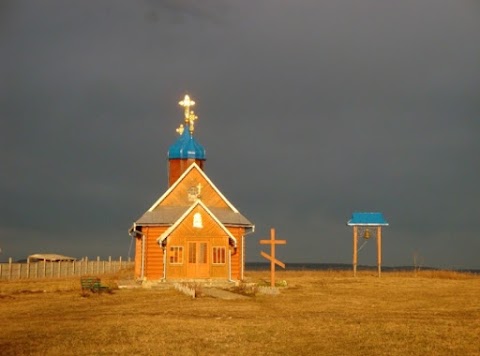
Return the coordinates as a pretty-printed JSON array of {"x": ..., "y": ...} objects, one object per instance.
[
  {"x": 176, "y": 254},
  {"x": 197, "y": 221},
  {"x": 202, "y": 257},
  {"x": 192, "y": 252},
  {"x": 219, "y": 255}
]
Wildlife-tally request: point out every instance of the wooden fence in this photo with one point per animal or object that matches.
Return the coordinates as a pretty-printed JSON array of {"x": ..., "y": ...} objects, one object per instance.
[{"x": 47, "y": 269}]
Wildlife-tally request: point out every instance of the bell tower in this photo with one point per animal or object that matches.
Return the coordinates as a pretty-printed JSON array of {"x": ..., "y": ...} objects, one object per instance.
[{"x": 186, "y": 150}]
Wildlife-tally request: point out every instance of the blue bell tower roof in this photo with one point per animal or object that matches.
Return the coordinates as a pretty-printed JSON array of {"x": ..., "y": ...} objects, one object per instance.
[
  {"x": 186, "y": 147},
  {"x": 366, "y": 219}
]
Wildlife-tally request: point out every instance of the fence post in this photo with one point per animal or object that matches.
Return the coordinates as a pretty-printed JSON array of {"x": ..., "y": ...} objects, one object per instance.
[
  {"x": 44, "y": 268},
  {"x": 36, "y": 269},
  {"x": 19, "y": 271},
  {"x": 86, "y": 264},
  {"x": 9, "y": 268},
  {"x": 120, "y": 261},
  {"x": 110, "y": 264},
  {"x": 28, "y": 268}
]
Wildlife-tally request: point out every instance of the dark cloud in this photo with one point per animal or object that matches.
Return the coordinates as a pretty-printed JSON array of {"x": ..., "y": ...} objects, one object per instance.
[{"x": 308, "y": 111}]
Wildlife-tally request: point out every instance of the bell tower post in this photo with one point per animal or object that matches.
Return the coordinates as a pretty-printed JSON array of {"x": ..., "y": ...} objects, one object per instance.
[{"x": 367, "y": 225}]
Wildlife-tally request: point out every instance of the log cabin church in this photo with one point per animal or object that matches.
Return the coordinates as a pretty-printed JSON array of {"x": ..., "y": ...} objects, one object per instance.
[{"x": 192, "y": 231}]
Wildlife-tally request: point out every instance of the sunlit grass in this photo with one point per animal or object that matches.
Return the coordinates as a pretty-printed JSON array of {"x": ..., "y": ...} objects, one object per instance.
[{"x": 318, "y": 313}]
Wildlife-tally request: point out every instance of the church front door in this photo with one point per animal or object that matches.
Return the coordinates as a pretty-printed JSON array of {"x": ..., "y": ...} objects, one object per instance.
[{"x": 197, "y": 262}]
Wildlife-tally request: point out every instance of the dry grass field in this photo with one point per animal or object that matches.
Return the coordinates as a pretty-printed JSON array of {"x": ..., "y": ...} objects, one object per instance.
[{"x": 318, "y": 313}]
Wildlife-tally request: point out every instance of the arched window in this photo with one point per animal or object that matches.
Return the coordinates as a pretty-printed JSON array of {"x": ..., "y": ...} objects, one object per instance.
[{"x": 197, "y": 220}]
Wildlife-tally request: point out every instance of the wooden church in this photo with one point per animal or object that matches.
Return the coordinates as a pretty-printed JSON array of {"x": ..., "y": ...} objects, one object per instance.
[{"x": 192, "y": 231}]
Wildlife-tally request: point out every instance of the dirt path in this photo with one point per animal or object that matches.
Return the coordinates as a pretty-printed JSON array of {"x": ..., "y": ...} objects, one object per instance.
[{"x": 222, "y": 294}]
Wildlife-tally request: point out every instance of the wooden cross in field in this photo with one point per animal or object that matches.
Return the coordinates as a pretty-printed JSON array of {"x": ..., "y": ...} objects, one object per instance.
[{"x": 273, "y": 261}]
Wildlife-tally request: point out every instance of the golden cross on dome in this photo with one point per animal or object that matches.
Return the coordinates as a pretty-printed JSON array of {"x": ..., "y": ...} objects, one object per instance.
[
  {"x": 191, "y": 121},
  {"x": 186, "y": 103},
  {"x": 180, "y": 129}
]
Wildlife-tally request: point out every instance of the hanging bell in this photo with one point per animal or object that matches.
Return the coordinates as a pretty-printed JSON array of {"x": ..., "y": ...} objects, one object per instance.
[{"x": 367, "y": 234}]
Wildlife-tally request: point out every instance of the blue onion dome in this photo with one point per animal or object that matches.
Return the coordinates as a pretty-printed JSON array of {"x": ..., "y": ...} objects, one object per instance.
[{"x": 186, "y": 147}]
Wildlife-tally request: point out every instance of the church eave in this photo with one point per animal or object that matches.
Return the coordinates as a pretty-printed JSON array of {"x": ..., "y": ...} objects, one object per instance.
[{"x": 167, "y": 233}]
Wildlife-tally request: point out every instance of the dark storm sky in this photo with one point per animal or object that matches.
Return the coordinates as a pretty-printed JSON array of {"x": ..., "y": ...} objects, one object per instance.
[{"x": 309, "y": 110}]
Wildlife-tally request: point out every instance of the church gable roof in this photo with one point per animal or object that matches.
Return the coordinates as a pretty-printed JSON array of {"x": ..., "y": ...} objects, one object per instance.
[
  {"x": 193, "y": 184},
  {"x": 167, "y": 215},
  {"x": 198, "y": 217},
  {"x": 179, "y": 197}
]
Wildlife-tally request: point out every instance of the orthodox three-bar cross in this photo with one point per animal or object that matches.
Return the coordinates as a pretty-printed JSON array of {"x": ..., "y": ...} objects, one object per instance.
[
  {"x": 273, "y": 261},
  {"x": 186, "y": 103}
]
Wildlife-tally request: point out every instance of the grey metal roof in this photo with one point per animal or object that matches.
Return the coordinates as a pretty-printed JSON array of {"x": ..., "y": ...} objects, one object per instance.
[
  {"x": 229, "y": 217},
  {"x": 162, "y": 215},
  {"x": 167, "y": 215},
  {"x": 50, "y": 257}
]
